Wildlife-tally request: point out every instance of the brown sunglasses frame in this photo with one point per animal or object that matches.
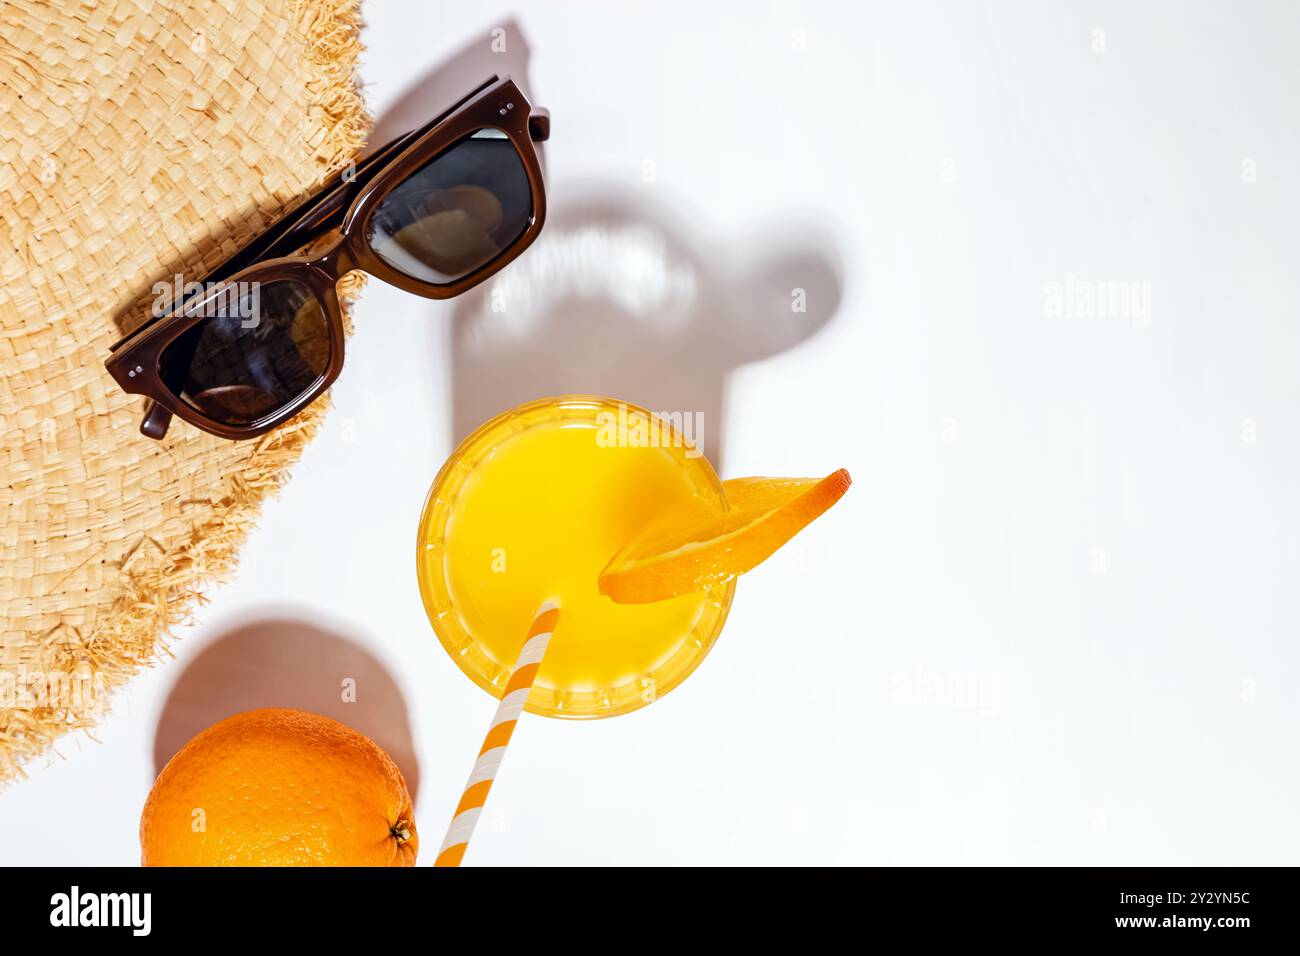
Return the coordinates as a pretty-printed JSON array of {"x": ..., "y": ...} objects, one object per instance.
[{"x": 346, "y": 203}]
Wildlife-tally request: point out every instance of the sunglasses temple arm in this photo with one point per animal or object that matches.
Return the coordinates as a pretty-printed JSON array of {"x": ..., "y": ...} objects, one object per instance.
[
  {"x": 156, "y": 420},
  {"x": 322, "y": 212},
  {"x": 539, "y": 124}
]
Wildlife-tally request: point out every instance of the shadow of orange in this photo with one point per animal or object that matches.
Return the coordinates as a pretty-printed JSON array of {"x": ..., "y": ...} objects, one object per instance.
[{"x": 287, "y": 661}]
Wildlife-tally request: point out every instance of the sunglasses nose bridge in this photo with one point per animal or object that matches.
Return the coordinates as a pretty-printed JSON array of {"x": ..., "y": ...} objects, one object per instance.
[{"x": 336, "y": 260}]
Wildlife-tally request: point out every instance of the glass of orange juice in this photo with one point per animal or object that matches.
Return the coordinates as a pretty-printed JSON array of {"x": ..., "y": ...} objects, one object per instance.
[{"x": 532, "y": 506}]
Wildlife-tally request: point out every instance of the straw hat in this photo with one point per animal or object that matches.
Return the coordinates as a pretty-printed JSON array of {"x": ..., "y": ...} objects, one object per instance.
[{"x": 139, "y": 140}]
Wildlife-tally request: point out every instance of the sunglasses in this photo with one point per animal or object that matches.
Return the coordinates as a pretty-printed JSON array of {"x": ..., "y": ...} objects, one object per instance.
[{"x": 434, "y": 212}]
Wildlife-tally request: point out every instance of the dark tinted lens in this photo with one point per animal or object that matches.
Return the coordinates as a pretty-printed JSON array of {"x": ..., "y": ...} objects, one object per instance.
[
  {"x": 456, "y": 213},
  {"x": 258, "y": 347}
]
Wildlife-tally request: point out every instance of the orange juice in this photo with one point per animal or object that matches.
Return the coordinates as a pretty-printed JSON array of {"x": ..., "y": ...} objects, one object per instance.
[{"x": 532, "y": 506}]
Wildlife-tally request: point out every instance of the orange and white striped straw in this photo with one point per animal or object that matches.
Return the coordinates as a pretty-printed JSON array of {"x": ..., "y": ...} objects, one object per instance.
[{"x": 494, "y": 744}]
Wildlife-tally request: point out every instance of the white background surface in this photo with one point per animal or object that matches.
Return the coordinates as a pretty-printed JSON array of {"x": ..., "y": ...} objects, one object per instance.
[{"x": 1055, "y": 619}]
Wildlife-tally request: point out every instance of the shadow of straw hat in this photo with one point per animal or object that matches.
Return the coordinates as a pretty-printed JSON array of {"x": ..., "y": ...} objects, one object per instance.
[{"x": 139, "y": 141}]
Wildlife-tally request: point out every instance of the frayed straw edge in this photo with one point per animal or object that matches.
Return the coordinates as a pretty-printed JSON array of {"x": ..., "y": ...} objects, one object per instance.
[{"x": 152, "y": 604}]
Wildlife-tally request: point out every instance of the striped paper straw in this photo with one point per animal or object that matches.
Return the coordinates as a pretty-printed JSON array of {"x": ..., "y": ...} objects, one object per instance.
[{"x": 498, "y": 735}]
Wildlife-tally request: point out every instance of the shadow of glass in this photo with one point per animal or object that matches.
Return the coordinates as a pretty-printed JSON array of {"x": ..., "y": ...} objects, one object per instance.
[
  {"x": 616, "y": 298},
  {"x": 285, "y": 660}
]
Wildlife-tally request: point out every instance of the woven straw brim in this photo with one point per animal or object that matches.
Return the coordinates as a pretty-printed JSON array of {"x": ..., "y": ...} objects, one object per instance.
[{"x": 140, "y": 140}]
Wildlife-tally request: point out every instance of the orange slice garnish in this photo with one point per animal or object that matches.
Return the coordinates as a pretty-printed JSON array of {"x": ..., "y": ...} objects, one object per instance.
[{"x": 686, "y": 551}]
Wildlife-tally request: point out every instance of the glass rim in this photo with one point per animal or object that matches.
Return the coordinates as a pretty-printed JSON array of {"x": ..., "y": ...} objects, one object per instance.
[{"x": 463, "y": 648}]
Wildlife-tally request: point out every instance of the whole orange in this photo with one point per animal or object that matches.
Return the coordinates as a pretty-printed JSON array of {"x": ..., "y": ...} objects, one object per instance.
[{"x": 277, "y": 787}]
